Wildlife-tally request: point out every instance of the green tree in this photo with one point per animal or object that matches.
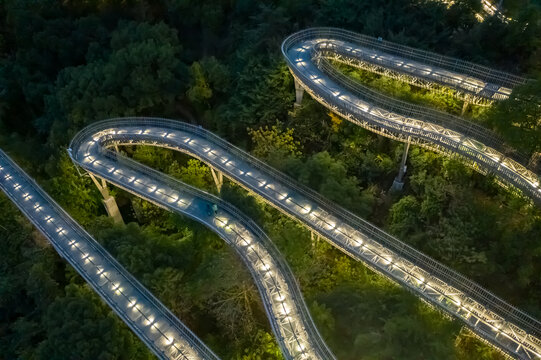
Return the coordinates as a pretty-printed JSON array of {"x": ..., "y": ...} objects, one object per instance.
[{"x": 141, "y": 73}]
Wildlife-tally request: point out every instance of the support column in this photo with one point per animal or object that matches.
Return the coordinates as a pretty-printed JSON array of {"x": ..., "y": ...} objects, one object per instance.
[
  {"x": 299, "y": 91},
  {"x": 314, "y": 237},
  {"x": 108, "y": 201},
  {"x": 464, "y": 107},
  {"x": 398, "y": 182},
  {"x": 218, "y": 178}
]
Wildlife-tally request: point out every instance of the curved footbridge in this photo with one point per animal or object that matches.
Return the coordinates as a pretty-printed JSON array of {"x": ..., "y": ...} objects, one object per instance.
[
  {"x": 151, "y": 321},
  {"x": 307, "y": 53},
  {"x": 490, "y": 317},
  {"x": 496, "y": 321}
]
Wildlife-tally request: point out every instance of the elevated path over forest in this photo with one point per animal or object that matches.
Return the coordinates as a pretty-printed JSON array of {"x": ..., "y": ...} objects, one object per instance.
[
  {"x": 307, "y": 53},
  {"x": 487, "y": 315},
  {"x": 150, "y": 320},
  {"x": 496, "y": 321},
  {"x": 490, "y": 317}
]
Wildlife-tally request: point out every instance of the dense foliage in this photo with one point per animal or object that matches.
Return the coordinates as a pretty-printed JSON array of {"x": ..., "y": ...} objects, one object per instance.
[{"x": 66, "y": 64}]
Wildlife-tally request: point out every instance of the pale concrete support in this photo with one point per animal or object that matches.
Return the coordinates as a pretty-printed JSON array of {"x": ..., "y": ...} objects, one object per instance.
[
  {"x": 299, "y": 92},
  {"x": 116, "y": 148},
  {"x": 398, "y": 182},
  {"x": 314, "y": 237},
  {"x": 218, "y": 178},
  {"x": 464, "y": 107},
  {"x": 108, "y": 201}
]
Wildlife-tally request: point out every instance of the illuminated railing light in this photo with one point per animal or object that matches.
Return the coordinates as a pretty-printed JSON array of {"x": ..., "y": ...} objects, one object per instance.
[
  {"x": 305, "y": 210},
  {"x": 265, "y": 267}
]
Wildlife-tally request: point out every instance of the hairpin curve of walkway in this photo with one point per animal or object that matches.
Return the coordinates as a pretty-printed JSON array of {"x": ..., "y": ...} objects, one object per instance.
[{"x": 306, "y": 52}]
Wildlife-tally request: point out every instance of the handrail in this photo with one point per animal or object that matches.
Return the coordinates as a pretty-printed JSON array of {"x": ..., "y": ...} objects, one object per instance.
[{"x": 411, "y": 263}]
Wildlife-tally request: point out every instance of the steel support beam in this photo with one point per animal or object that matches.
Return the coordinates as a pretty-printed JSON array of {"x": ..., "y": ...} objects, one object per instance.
[{"x": 398, "y": 182}]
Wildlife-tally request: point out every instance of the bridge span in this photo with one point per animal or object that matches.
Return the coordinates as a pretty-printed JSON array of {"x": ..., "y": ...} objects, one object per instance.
[{"x": 306, "y": 52}]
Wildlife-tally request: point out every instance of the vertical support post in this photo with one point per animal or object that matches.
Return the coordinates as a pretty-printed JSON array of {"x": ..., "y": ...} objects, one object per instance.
[
  {"x": 464, "y": 107},
  {"x": 314, "y": 237},
  {"x": 299, "y": 91},
  {"x": 398, "y": 182},
  {"x": 218, "y": 178},
  {"x": 108, "y": 201}
]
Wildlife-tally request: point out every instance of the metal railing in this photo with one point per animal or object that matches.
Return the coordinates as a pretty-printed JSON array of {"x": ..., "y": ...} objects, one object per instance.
[
  {"x": 488, "y": 300},
  {"x": 479, "y": 72}
]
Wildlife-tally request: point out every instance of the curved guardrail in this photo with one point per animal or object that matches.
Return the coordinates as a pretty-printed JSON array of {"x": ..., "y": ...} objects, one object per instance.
[
  {"x": 432, "y": 129},
  {"x": 512, "y": 330}
]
